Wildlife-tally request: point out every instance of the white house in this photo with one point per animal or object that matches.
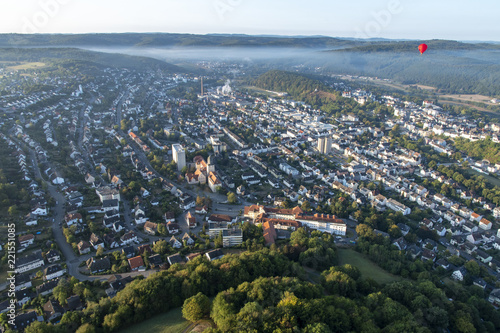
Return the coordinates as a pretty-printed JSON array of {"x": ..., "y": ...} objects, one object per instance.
[{"x": 175, "y": 243}]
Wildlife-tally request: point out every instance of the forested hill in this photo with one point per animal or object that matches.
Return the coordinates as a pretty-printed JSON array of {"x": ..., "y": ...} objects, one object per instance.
[
  {"x": 166, "y": 39},
  {"x": 294, "y": 84},
  {"x": 90, "y": 57},
  {"x": 412, "y": 46},
  {"x": 215, "y": 40}
]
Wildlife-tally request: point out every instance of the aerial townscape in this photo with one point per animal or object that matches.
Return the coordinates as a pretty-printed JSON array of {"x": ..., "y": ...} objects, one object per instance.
[{"x": 248, "y": 184}]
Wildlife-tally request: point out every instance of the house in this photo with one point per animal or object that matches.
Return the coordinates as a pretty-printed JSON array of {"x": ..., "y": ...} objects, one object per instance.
[
  {"x": 480, "y": 283},
  {"x": 169, "y": 217},
  {"x": 136, "y": 264},
  {"x": 173, "y": 228},
  {"x": 186, "y": 202},
  {"x": 128, "y": 251},
  {"x": 155, "y": 261},
  {"x": 29, "y": 262},
  {"x": 190, "y": 220},
  {"x": 84, "y": 247},
  {"x": 108, "y": 221},
  {"x": 40, "y": 210},
  {"x": 175, "y": 259},
  {"x": 24, "y": 296},
  {"x": 52, "y": 310},
  {"x": 494, "y": 297},
  {"x": 111, "y": 204},
  {"x": 111, "y": 242},
  {"x": 216, "y": 218},
  {"x": 214, "y": 254},
  {"x": 400, "y": 243},
  {"x": 443, "y": 263},
  {"x": 74, "y": 303},
  {"x": 475, "y": 238},
  {"x": 201, "y": 210},
  {"x": 174, "y": 242},
  {"x": 128, "y": 238},
  {"x": 150, "y": 228},
  {"x": 118, "y": 226},
  {"x": 31, "y": 219},
  {"x": 23, "y": 281},
  {"x": 459, "y": 274},
  {"x": 107, "y": 193},
  {"x": 89, "y": 179},
  {"x": 47, "y": 287},
  {"x": 140, "y": 216},
  {"x": 404, "y": 228},
  {"x": 52, "y": 272},
  {"x": 73, "y": 218},
  {"x": 26, "y": 240},
  {"x": 145, "y": 248},
  {"x": 485, "y": 224},
  {"x": 53, "y": 256},
  {"x": 186, "y": 238},
  {"x": 428, "y": 255},
  {"x": 483, "y": 256},
  {"x": 24, "y": 320},
  {"x": 96, "y": 241},
  {"x": 98, "y": 265}
]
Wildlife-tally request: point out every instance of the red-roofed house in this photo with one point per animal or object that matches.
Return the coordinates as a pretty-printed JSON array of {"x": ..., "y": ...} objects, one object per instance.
[
  {"x": 136, "y": 264},
  {"x": 26, "y": 240},
  {"x": 485, "y": 224}
]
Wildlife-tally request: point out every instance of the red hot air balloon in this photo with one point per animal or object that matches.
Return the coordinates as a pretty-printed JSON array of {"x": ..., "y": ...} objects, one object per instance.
[{"x": 422, "y": 48}]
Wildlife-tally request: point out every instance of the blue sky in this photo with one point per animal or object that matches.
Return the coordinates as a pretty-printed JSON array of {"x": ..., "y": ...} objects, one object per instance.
[{"x": 423, "y": 19}]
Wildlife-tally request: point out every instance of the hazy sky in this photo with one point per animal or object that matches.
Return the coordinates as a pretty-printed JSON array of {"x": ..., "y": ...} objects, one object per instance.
[{"x": 422, "y": 19}]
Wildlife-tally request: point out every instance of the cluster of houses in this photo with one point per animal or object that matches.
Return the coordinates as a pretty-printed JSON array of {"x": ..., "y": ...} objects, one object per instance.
[{"x": 282, "y": 220}]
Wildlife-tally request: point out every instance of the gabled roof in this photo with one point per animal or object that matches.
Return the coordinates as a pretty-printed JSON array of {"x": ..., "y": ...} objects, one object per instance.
[{"x": 136, "y": 262}]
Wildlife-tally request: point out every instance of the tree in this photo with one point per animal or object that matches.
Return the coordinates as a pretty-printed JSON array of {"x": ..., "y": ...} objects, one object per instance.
[
  {"x": 13, "y": 210},
  {"x": 472, "y": 267},
  {"x": 196, "y": 307},
  {"x": 100, "y": 251},
  {"x": 306, "y": 206},
  {"x": 231, "y": 198},
  {"x": 161, "y": 247},
  {"x": 199, "y": 201},
  {"x": 86, "y": 328}
]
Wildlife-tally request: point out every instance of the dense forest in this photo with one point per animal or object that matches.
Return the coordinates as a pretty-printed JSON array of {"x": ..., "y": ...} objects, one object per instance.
[{"x": 481, "y": 149}]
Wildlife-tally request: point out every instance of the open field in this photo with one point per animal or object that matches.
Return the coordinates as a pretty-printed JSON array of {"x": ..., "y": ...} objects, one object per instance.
[
  {"x": 471, "y": 98},
  {"x": 170, "y": 322},
  {"x": 367, "y": 267},
  {"x": 16, "y": 66},
  {"x": 262, "y": 91}
]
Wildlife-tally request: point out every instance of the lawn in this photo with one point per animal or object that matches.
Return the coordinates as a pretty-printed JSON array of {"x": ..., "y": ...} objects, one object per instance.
[
  {"x": 366, "y": 266},
  {"x": 170, "y": 322}
]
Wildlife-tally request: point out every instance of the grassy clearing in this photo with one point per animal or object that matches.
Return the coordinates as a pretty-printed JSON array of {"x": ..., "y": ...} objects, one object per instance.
[
  {"x": 367, "y": 267},
  {"x": 170, "y": 322},
  {"x": 16, "y": 66}
]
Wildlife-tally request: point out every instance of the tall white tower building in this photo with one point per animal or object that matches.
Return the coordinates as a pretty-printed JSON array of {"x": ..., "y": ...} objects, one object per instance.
[{"x": 179, "y": 156}]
